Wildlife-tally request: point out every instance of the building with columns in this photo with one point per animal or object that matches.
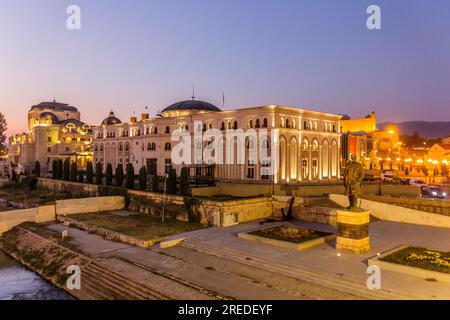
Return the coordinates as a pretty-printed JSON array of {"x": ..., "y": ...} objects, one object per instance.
[
  {"x": 309, "y": 141},
  {"x": 55, "y": 131}
]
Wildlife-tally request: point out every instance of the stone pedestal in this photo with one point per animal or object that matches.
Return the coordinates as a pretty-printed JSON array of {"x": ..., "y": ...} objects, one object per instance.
[{"x": 353, "y": 231}]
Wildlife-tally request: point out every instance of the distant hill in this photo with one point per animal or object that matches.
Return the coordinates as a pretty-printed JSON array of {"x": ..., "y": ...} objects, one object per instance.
[{"x": 425, "y": 129}]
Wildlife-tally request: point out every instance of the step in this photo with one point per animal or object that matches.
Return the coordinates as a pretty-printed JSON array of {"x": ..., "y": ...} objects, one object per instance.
[
  {"x": 102, "y": 287},
  {"x": 140, "y": 289},
  {"x": 291, "y": 270}
]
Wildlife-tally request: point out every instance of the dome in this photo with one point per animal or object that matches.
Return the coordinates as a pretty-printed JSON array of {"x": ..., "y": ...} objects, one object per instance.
[
  {"x": 190, "y": 105},
  {"x": 48, "y": 118},
  {"x": 111, "y": 120}
]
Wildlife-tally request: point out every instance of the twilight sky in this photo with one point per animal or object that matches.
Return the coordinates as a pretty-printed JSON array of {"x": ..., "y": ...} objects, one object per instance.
[{"x": 304, "y": 53}]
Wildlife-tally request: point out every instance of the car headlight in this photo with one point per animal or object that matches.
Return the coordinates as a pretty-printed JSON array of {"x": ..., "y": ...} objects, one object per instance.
[
  {"x": 434, "y": 193},
  {"x": 444, "y": 194}
]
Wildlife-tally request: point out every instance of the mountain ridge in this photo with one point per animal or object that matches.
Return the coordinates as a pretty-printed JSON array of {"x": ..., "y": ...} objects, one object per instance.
[{"x": 425, "y": 129}]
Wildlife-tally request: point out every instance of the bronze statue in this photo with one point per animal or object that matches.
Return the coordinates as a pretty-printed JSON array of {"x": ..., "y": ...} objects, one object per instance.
[{"x": 353, "y": 175}]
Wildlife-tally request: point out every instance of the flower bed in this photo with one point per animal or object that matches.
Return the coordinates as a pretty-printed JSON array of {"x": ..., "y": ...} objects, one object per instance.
[
  {"x": 421, "y": 258},
  {"x": 290, "y": 233}
]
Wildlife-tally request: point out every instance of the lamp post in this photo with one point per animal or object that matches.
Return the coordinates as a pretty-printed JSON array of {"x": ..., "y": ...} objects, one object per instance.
[{"x": 164, "y": 197}]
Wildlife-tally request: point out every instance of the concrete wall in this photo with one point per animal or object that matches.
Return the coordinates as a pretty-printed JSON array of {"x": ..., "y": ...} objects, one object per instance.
[
  {"x": 91, "y": 189},
  {"x": 12, "y": 218},
  {"x": 89, "y": 205},
  {"x": 299, "y": 190},
  {"x": 395, "y": 213}
]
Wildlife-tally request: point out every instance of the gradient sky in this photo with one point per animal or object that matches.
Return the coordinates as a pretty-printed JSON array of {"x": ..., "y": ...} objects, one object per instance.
[{"x": 304, "y": 53}]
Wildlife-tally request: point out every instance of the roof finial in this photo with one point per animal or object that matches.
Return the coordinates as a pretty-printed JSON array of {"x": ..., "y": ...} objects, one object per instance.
[{"x": 193, "y": 92}]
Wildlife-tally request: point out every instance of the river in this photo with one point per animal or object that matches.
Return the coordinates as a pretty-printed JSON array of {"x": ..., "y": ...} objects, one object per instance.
[{"x": 19, "y": 283}]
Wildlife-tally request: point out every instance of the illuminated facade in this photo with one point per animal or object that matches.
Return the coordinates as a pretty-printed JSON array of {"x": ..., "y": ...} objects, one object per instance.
[
  {"x": 55, "y": 131},
  {"x": 309, "y": 144}
]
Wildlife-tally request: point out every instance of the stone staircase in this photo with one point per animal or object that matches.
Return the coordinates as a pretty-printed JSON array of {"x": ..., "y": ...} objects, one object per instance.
[
  {"x": 100, "y": 283},
  {"x": 293, "y": 271}
]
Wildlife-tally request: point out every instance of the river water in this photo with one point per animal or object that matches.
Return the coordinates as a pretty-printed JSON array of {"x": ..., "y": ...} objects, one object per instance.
[{"x": 19, "y": 283}]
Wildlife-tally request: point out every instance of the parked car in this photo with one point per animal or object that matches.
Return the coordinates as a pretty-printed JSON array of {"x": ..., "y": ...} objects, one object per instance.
[
  {"x": 433, "y": 192},
  {"x": 369, "y": 177},
  {"x": 417, "y": 182},
  {"x": 388, "y": 176}
]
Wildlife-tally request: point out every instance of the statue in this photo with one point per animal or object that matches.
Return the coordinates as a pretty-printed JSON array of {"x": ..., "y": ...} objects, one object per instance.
[{"x": 353, "y": 175}]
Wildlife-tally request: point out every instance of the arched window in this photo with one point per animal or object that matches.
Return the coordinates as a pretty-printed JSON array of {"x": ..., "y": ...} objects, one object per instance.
[
  {"x": 250, "y": 123},
  {"x": 167, "y": 129},
  {"x": 265, "y": 123},
  {"x": 305, "y": 125},
  {"x": 120, "y": 147},
  {"x": 155, "y": 130},
  {"x": 101, "y": 147},
  {"x": 251, "y": 144},
  {"x": 235, "y": 125},
  {"x": 222, "y": 126},
  {"x": 204, "y": 127},
  {"x": 127, "y": 147},
  {"x": 228, "y": 125},
  {"x": 168, "y": 146},
  {"x": 287, "y": 123},
  {"x": 95, "y": 147},
  {"x": 210, "y": 125},
  {"x": 257, "y": 123}
]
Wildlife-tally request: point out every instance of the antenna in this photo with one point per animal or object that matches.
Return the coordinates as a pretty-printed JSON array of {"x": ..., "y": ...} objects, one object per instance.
[
  {"x": 193, "y": 92},
  {"x": 223, "y": 100}
]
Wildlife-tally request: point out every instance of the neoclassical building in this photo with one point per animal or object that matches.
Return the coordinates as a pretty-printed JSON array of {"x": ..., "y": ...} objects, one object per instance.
[
  {"x": 309, "y": 141},
  {"x": 55, "y": 131}
]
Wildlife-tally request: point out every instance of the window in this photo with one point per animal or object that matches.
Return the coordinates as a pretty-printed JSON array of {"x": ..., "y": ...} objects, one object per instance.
[
  {"x": 287, "y": 123},
  {"x": 250, "y": 123},
  {"x": 67, "y": 149},
  {"x": 257, "y": 125},
  {"x": 127, "y": 147},
  {"x": 210, "y": 125},
  {"x": 251, "y": 144},
  {"x": 305, "y": 125},
  {"x": 250, "y": 169},
  {"x": 315, "y": 167},
  {"x": 49, "y": 139},
  {"x": 235, "y": 125},
  {"x": 305, "y": 170},
  {"x": 120, "y": 147},
  {"x": 265, "y": 123},
  {"x": 167, "y": 146},
  {"x": 151, "y": 146},
  {"x": 222, "y": 126},
  {"x": 265, "y": 167},
  {"x": 155, "y": 130},
  {"x": 101, "y": 147},
  {"x": 167, "y": 165},
  {"x": 95, "y": 147},
  {"x": 228, "y": 125},
  {"x": 167, "y": 130},
  {"x": 204, "y": 127},
  {"x": 49, "y": 149}
]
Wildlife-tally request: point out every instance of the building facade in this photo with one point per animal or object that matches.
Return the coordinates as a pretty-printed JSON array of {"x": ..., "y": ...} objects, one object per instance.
[
  {"x": 55, "y": 131},
  {"x": 309, "y": 141}
]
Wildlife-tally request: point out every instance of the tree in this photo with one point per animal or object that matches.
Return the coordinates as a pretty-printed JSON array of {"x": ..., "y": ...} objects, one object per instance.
[
  {"x": 37, "y": 168},
  {"x": 109, "y": 175},
  {"x": 73, "y": 172},
  {"x": 444, "y": 170},
  {"x": 3, "y": 127},
  {"x": 155, "y": 183},
  {"x": 129, "y": 181},
  {"x": 406, "y": 171},
  {"x": 172, "y": 181},
  {"x": 143, "y": 178},
  {"x": 89, "y": 172},
  {"x": 66, "y": 170},
  {"x": 119, "y": 175},
  {"x": 81, "y": 177},
  {"x": 99, "y": 173},
  {"x": 54, "y": 169},
  {"x": 59, "y": 169},
  {"x": 184, "y": 181}
]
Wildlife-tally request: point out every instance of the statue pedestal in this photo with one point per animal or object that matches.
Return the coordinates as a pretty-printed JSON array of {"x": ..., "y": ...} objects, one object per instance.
[{"x": 353, "y": 231}]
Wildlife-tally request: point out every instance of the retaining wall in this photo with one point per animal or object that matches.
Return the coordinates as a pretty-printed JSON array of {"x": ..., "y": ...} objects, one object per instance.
[{"x": 389, "y": 212}]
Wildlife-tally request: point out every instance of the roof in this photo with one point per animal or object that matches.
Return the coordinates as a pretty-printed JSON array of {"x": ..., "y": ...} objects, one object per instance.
[
  {"x": 111, "y": 119},
  {"x": 191, "y": 105},
  {"x": 444, "y": 146},
  {"x": 57, "y": 106}
]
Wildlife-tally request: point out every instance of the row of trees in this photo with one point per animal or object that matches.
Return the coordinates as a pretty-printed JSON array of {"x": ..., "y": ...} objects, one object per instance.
[{"x": 64, "y": 170}]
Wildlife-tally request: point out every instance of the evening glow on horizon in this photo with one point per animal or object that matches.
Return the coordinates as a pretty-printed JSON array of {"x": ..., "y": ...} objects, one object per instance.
[{"x": 313, "y": 54}]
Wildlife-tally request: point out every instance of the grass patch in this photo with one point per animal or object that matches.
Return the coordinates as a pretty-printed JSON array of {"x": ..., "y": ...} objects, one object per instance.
[
  {"x": 421, "y": 258},
  {"x": 139, "y": 226},
  {"x": 290, "y": 234}
]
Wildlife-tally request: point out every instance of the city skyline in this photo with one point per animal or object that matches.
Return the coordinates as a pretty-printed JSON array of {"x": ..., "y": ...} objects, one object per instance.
[{"x": 316, "y": 55}]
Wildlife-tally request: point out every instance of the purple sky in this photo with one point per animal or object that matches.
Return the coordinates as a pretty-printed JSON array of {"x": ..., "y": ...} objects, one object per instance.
[{"x": 316, "y": 54}]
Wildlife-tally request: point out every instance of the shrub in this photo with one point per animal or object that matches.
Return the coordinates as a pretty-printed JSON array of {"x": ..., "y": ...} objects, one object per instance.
[
  {"x": 81, "y": 176},
  {"x": 59, "y": 169},
  {"x": 98, "y": 173},
  {"x": 155, "y": 183},
  {"x": 89, "y": 172},
  {"x": 129, "y": 182},
  {"x": 73, "y": 172},
  {"x": 105, "y": 191},
  {"x": 109, "y": 174},
  {"x": 143, "y": 178},
  {"x": 54, "y": 169},
  {"x": 66, "y": 170},
  {"x": 191, "y": 204},
  {"x": 32, "y": 183},
  {"x": 172, "y": 181},
  {"x": 119, "y": 175},
  {"x": 37, "y": 168},
  {"x": 184, "y": 181}
]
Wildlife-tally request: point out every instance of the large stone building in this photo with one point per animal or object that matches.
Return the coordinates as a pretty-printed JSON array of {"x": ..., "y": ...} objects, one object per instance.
[
  {"x": 309, "y": 141},
  {"x": 55, "y": 131}
]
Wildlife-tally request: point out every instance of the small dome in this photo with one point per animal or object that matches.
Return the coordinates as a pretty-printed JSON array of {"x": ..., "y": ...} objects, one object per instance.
[
  {"x": 191, "y": 105},
  {"x": 111, "y": 120},
  {"x": 48, "y": 118}
]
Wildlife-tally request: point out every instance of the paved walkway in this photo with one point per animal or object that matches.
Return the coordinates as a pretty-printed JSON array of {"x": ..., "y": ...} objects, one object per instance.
[{"x": 384, "y": 236}]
